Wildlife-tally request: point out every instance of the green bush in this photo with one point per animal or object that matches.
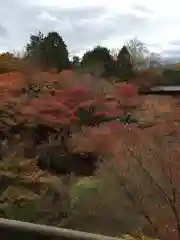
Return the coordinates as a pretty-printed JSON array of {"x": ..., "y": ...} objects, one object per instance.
[
  {"x": 27, "y": 211},
  {"x": 82, "y": 190},
  {"x": 170, "y": 77},
  {"x": 88, "y": 117}
]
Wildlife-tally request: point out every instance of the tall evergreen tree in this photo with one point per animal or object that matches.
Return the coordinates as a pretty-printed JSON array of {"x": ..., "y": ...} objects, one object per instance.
[
  {"x": 48, "y": 51},
  {"x": 124, "y": 64}
]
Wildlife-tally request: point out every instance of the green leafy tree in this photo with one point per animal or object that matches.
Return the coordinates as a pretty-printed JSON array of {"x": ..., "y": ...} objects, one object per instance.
[
  {"x": 97, "y": 54},
  {"x": 33, "y": 49},
  {"x": 99, "y": 62},
  {"x": 75, "y": 61},
  {"x": 55, "y": 52},
  {"x": 48, "y": 51},
  {"x": 125, "y": 67}
]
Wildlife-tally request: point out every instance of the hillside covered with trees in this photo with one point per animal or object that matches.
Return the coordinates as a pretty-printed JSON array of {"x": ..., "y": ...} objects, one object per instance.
[{"x": 81, "y": 148}]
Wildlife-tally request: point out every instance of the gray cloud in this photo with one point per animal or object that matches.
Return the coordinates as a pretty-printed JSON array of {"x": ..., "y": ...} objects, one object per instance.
[
  {"x": 81, "y": 28},
  {"x": 3, "y": 37},
  {"x": 172, "y": 52},
  {"x": 93, "y": 33},
  {"x": 175, "y": 43},
  {"x": 141, "y": 8},
  {"x": 3, "y": 32},
  {"x": 24, "y": 20}
]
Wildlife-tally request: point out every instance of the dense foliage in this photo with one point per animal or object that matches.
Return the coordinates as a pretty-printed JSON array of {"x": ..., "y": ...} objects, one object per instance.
[
  {"x": 48, "y": 51},
  {"x": 68, "y": 122}
]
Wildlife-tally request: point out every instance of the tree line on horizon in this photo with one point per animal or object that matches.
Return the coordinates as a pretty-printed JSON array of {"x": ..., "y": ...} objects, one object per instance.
[{"x": 50, "y": 51}]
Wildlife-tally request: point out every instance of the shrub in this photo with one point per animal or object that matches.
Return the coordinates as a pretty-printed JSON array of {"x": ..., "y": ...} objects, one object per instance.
[
  {"x": 8, "y": 63},
  {"x": 146, "y": 79},
  {"x": 82, "y": 190},
  {"x": 170, "y": 77}
]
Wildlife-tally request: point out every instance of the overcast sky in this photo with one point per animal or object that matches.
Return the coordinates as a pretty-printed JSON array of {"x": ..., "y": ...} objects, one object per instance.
[{"x": 87, "y": 23}]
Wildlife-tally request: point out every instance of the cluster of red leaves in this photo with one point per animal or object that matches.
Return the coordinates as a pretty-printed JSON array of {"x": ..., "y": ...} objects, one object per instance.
[
  {"x": 53, "y": 110},
  {"x": 126, "y": 90},
  {"x": 68, "y": 92},
  {"x": 60, "y": 96},
  {"x": 59, "y": 108}
]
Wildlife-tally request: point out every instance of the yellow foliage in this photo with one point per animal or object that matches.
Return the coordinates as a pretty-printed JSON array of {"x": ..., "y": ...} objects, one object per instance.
[
  {"x": 8, "y": 63},
  {"x": 153, "y": 107}
]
